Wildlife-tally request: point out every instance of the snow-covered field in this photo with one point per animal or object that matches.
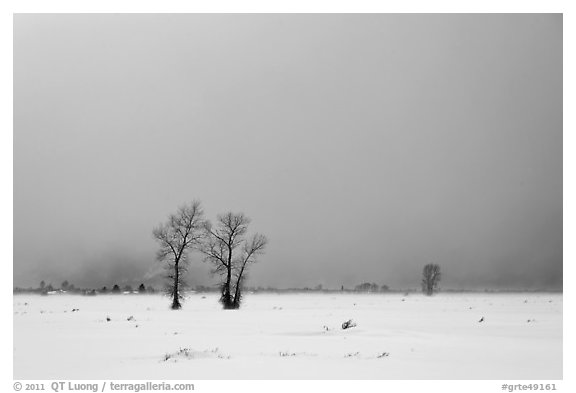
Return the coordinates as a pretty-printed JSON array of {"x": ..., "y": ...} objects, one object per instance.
[{"x": 289, "y": 336}]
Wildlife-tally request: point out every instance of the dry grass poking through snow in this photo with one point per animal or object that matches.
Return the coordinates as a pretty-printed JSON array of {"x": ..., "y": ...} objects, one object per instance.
[{"x": 187, "y": 353}]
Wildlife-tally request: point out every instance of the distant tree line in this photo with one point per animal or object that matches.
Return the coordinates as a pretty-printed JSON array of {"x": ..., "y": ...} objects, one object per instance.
[
  {"x": 230, "y": 289},
  {"x": 371, "y": 287},
  {"x": 66, "y": 287}
]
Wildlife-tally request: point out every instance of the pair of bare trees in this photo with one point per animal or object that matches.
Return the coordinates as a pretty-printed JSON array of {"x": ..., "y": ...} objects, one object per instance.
[{"x": 226, "y": 245}]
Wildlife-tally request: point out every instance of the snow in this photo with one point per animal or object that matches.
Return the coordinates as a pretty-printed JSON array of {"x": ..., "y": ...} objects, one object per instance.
[{"x": 290, "y": 336}]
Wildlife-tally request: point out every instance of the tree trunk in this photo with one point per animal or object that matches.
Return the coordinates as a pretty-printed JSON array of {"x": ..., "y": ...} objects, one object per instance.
[
  {"x": 237, "y": 292},
  {"x": 175, "y": 294},
  {"x": 430, "y": 287},
  {"x": 236, "y": 300},
  {"x": 226, "y": 295}
]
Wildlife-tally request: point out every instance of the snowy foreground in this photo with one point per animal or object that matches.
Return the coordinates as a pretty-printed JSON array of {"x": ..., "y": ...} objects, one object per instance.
[{"x": 289, "y": 336}]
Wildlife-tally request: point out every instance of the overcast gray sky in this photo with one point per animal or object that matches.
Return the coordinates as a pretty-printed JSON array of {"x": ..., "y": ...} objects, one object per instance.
[{"x": 363, "y": 146}]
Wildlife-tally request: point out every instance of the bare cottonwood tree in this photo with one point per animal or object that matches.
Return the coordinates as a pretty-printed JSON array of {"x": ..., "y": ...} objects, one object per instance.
[
  {"x": 430, "y": 278},
  {"x": 228, "y": 249},
  {"x": 250, "y": 251},
  {"x": 182, "y": 232}
]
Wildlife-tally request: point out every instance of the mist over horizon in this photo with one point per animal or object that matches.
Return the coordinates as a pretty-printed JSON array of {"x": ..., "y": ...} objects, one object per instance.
[
  {"x": 363, "y": 146},
  {"x": 129, "y": 270}
]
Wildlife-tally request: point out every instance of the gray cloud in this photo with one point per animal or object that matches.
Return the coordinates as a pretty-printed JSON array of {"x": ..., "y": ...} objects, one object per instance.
[{"x": 363, "y": 146}]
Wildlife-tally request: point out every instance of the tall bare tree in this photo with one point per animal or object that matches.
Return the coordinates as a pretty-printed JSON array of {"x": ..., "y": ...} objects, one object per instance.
[
  {"x": 228, "y": 249},
  {"x": 252, "y": 248},
  {"x": 430, "y": 278},
  {"x": 182, "y": 232}
]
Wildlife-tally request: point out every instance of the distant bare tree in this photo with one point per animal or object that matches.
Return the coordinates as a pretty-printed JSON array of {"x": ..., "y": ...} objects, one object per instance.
[
  {"x": 228, "y": 249},
  {"x": 430, "y": 278},
  {"x": 182, "y": 232}
]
